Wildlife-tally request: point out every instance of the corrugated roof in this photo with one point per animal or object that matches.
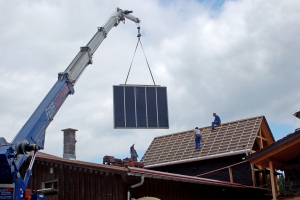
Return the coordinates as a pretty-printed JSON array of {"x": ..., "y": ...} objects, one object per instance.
[{"x": 231, "y": 137}]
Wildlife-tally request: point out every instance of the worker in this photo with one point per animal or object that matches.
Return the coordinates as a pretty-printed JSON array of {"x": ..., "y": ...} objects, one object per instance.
[
  {"x": 217, "y": 121},
  {"x": 133, "y": 153},
  {"x": 198, "y": 138}
]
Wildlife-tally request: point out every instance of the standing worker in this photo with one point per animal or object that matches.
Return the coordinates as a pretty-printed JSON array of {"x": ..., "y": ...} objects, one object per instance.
[
  {"x": 198, "y": 138},
  {"x": 133, "y": 153},
  {"x": 217, "y": 121}
]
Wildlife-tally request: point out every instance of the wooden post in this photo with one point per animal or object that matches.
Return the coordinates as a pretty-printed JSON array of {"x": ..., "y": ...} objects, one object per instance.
[
  {"x": 261, "y": 142},
  {"x": 272, "y": 180},
  {"x": 230, "y": 174},
  {"x": 253, "y": 175}
]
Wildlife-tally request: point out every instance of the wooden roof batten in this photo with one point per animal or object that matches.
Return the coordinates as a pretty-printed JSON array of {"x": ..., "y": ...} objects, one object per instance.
[{"x": 230, "y": 138}]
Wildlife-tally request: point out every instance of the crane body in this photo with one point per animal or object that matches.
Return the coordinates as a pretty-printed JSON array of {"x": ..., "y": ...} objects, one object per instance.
[{"x": 31, "y": 137}]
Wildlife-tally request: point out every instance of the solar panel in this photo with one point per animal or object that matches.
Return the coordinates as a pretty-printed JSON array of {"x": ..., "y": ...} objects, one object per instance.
[{"x": 140, "y": 106}]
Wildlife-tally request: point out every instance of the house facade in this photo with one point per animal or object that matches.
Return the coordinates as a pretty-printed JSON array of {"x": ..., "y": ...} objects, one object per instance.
[{"x": 64, "y": 179}]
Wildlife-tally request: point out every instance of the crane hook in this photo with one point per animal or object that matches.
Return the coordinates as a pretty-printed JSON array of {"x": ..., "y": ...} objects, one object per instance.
[{"x": 139, "y": 34}]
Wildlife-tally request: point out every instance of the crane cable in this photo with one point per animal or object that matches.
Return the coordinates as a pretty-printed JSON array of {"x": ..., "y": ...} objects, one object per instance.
[{"x": 139, "y": 42}]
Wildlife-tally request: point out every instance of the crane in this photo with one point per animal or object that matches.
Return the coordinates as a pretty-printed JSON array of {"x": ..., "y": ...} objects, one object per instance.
[{"x": 31, "y": 137}]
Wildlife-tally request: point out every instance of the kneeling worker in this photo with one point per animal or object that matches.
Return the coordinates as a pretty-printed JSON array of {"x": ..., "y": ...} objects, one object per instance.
[{"x": 217, "y": 121}]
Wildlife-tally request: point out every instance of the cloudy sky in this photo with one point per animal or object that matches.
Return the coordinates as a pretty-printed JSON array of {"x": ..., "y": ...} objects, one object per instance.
[{"x": 239, "y": 59}]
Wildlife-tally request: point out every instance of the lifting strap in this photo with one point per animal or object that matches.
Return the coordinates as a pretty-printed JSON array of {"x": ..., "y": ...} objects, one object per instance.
[{"x": 139, "y": 42}]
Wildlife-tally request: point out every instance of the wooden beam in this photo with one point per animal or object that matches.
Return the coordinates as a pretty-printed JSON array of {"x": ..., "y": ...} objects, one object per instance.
[
  {"x": 266, "y": 132},
  {"x": 253, "y": 175},
  {"x": 277, "y": 150},
  {"x": 272, "y": 180},
  {"x": 261, "y": 142},
  {"x": 261, "y": 138},
  {"x": 222, "y": 168},
  {"x": 230, "y": 174},
  {"x": 275, "y": 162}
]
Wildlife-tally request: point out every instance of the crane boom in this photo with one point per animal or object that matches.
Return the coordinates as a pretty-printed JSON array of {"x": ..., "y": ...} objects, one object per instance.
[
  {"x": 84, "y": 57},
  {"x": 31, "y": 137}
]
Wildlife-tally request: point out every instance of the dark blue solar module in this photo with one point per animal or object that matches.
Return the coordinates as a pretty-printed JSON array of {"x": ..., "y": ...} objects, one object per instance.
[{"x": 143, "y": 107}]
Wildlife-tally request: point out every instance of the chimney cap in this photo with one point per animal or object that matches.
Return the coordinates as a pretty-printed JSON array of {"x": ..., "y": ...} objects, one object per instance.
[{"x": 69, "y": 129}]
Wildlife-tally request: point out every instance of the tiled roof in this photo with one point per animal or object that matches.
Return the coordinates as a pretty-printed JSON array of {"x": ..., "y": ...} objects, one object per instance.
[{"x": 236, "y": 136}]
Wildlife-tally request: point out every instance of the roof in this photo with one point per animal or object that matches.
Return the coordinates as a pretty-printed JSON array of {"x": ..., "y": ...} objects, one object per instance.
[
  {"x": 280, "y": 151},
  {"x": 231, "y": 138},
  {"x": 134, "y": 171},
  {"x": 79, "y": 164}
]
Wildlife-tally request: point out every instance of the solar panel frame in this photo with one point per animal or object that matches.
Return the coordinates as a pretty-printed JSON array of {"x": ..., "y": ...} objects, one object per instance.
[{"x": 140, "y": 107}]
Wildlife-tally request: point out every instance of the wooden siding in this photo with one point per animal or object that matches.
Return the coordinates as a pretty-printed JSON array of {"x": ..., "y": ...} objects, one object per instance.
[
  {"x": 241, "y": 173},
  {"x": 77, "y": 183}
]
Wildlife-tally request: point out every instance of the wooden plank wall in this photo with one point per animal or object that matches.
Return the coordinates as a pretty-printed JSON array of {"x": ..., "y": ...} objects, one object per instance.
[
  {"x": 174, "y": 190},
  {"x": 241, "y": 173},
  {"x": 76, "y": 183}
]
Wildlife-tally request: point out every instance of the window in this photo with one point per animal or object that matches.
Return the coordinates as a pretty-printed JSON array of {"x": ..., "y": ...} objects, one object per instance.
[
  {"x": 49, "y": 187},
  {"x": 50, "y": 184}
]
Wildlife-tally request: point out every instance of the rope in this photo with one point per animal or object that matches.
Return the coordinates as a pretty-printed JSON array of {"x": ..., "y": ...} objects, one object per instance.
[
  {"x": 132, "y": 60},
  {"x": 139, "y": 41},
  {"x": 147, "y": 61}
]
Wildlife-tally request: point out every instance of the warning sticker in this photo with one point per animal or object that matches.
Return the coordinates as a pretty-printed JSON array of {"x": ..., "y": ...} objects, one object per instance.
[{"x": 6, "y": 193}]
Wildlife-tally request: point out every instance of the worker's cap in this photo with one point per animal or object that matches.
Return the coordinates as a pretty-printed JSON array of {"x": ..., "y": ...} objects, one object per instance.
[{"x": 196, "y": 127}]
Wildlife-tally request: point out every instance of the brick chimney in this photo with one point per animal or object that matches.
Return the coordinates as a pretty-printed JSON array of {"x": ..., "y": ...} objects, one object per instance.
[{"x": 69, "y": 143}]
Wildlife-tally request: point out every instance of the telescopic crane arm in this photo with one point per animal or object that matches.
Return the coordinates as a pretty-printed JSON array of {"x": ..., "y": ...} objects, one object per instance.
[
  {"x": 32, "y": 135},
  {"x": 84, "y": 57}
]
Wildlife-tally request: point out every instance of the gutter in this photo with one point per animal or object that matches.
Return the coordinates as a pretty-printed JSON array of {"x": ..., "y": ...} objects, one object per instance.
[{"x": 134, "y": 186}]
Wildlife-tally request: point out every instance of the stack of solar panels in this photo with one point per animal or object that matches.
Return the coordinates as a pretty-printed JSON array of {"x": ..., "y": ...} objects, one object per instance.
[{"x": 140, "y": 106}]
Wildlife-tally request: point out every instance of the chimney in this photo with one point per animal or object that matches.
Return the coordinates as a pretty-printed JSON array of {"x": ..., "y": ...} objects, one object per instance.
[{"x": 69, "y": 143}]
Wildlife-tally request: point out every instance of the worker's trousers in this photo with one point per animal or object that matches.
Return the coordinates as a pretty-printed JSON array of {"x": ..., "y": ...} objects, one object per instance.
[
  {"x": 213, "y": 124},
  {"x": 197, "y": 141}
]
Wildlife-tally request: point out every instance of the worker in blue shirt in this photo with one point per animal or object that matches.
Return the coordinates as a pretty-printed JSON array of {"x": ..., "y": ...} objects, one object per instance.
[
  {"x": 133, "y": 153},
  {"x": 217, "y": 121}
]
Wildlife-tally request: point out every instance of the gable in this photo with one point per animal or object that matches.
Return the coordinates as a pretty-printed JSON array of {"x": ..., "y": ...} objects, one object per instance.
[
  {"x": 229, "y": 138},
  {"x": 264, "y": 137}
]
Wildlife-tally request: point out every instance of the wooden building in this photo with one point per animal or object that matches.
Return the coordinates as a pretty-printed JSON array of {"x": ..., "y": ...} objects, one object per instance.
[
  {"x": 64, "y": 179},
  {"x": 222, "y": 156},
  {"x": 282, "y": 155}
]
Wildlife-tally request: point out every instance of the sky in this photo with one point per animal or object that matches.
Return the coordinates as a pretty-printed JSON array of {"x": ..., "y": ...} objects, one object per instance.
[{"x": 236, "y": 58}]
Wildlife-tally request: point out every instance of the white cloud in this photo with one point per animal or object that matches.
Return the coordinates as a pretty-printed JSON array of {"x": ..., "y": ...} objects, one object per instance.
[{"x": 240, "y": 61}]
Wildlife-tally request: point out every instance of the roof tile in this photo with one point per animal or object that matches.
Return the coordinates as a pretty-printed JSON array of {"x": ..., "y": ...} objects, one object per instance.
[{"x": 228, "y": 137}]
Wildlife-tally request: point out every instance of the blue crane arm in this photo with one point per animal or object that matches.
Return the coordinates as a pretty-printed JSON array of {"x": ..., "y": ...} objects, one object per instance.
[
  {"x": 33, "y": 132},
  {"x": 31, "y": 137}
]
